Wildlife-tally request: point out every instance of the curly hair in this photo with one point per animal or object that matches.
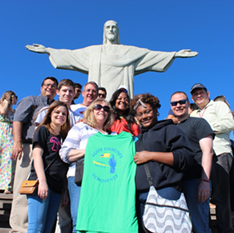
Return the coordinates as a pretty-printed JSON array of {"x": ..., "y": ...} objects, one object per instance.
[
  {"x": 127, "y": 114},
  {"x": 146, "y": 98},
  {"x": 89, "y": 115}
]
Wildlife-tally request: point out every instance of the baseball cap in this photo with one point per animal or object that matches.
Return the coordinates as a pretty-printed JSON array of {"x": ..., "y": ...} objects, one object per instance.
[
  {"x": 124, "y": 88},
  {"x": 197, "y": 86}
]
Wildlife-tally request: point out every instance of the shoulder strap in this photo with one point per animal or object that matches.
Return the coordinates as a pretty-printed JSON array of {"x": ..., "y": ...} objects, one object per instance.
[
  {"x": 147, "y": 171},
  {"x": 50, "y": 163}
]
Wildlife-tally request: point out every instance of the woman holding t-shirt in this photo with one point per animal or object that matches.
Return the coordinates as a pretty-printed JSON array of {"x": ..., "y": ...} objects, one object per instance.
[
  {"x": 164, "y": 148},
  {"x": 97, "y": 118},
  {"x": 48, "y": 168}
]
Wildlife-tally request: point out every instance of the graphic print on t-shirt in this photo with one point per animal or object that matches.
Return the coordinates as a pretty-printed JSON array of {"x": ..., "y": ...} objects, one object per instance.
[
  {"x": 112, "y": 161},
  {"x": 105, "y": 161},
  {"x": 56, "y": 144}
]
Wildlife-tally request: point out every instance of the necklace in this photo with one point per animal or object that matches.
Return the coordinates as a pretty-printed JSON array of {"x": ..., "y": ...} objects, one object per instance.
[{"x": 201, "y": 115}]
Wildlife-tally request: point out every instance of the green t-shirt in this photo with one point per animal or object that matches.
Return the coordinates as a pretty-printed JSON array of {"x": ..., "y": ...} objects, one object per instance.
[{"x": 107, "y": 199}]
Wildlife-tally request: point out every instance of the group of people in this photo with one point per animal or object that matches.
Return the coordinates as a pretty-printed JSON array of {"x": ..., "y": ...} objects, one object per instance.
[{"x": 190, "y": 153}]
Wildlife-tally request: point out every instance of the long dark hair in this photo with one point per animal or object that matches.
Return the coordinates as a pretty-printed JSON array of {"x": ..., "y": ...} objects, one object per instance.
[
  {"x": 127, "y": 114},
  {"x": 47, "y": 119}
]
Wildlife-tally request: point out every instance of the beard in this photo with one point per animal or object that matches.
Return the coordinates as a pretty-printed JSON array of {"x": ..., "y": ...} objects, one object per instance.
[{"x": 111, "y": 37}]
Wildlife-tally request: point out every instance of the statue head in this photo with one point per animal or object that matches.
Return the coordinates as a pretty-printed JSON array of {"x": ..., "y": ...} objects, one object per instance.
[{"x": 111, "y": 32}]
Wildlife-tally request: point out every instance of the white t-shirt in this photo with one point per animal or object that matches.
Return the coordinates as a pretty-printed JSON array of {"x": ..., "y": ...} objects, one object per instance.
[
  {"x": 72, "y": 115},
  {"x": 78, "y": 109}
]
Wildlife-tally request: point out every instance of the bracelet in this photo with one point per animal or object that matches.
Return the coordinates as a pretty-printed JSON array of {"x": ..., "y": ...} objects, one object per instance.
[{"x": 204, "y": 180}]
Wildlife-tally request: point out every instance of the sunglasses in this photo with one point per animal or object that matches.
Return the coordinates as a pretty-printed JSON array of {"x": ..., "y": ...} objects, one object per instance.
[
  {"x": 174, "y": 103},
  {"x": 98, "y": 107},
  {"x": 102, "y": 95}
]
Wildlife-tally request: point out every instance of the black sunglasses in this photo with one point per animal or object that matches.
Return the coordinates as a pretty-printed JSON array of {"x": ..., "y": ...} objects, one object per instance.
[
  {"x": 102, "y": 95},
  {"x": 99, "y": 107},
  {"x": 174, "y": 103}
]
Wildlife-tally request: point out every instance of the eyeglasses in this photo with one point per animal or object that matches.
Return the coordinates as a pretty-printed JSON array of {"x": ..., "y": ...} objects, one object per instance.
[
  {"x": 102, "y": 95},
  {"x": 174, "y": 103},
  {"x": 146, "y": 112},
  {"x": 49, "y": 85},
  {"x": 98, "y": 107}
]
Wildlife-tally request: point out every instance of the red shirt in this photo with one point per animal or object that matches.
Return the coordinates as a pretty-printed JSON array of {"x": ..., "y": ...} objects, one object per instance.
[{"x": 122, "y": 125}]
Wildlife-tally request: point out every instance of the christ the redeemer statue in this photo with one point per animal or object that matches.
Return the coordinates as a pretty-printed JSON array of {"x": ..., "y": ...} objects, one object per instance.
[{"x": 111, "y": 65}]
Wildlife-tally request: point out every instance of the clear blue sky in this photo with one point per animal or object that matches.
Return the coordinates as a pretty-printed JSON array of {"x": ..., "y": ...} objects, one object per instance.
[{"x": 205, "y": 26}]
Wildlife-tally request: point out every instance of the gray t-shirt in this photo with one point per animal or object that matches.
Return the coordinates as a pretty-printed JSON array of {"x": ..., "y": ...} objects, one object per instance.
[{"x": 26, "y": 112}]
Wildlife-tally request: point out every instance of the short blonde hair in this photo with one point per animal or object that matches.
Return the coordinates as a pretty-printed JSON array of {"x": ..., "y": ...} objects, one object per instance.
[{"x": 89, "y": 115}]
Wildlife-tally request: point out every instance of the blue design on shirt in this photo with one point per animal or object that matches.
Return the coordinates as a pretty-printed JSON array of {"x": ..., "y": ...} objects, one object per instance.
[{"x": 112, "y": 163}]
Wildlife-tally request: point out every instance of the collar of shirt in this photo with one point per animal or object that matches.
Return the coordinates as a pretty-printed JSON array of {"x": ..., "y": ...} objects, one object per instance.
[
  {"x": 45, "y": 99},
  {"x": 209, "y": 104}
]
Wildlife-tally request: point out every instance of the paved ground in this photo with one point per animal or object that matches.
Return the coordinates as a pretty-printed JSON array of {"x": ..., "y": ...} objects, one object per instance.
[{"x": 6, "y": 199}]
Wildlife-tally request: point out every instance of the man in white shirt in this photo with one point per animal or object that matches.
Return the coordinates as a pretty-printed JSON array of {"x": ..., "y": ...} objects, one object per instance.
[
  {"x": 89, "y": 94},
  {"x": 220, "y": 118},
  {"x": 66, "y": 93}
]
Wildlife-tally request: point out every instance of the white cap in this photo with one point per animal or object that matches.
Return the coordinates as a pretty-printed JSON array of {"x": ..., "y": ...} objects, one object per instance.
[{"x": 123, "y": 87}]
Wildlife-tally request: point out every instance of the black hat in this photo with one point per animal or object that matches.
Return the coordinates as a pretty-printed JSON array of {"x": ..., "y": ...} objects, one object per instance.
[{"x": 197, "y": 86}]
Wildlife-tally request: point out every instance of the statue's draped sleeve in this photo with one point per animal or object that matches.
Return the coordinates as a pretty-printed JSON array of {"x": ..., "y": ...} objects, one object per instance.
[
  {"x": 154, "y": 61},
  {"x": 78, "y": 60},
  {"x": 111, "y": 65}
]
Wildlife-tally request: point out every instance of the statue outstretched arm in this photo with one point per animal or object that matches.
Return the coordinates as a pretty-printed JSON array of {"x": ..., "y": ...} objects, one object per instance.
[
  {"x": 185, "y": 53},
  {"x": 37, "y": 48}
]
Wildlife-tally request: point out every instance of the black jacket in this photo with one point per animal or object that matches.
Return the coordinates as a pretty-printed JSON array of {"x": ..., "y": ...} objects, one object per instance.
[{"x": 164, "y": 137}]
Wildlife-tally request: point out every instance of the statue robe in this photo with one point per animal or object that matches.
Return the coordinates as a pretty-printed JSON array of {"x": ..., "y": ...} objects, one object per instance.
[{"x": 111, "y": 65}]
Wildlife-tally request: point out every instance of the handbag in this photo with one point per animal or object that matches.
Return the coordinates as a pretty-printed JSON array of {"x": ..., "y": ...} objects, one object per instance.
[
  {"x": 28, "y": 187},
  {"x": 79, "y": 171},
  {"x": 164, "y": 215}
]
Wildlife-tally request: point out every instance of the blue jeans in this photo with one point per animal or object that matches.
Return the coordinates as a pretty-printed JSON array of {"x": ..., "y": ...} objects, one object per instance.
[
  {"x": 168, "y": 192},
  {"x": 42, "y": 213},
  {"x": 74, "y": 192},
  {"x": 199, "y": 210}
]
